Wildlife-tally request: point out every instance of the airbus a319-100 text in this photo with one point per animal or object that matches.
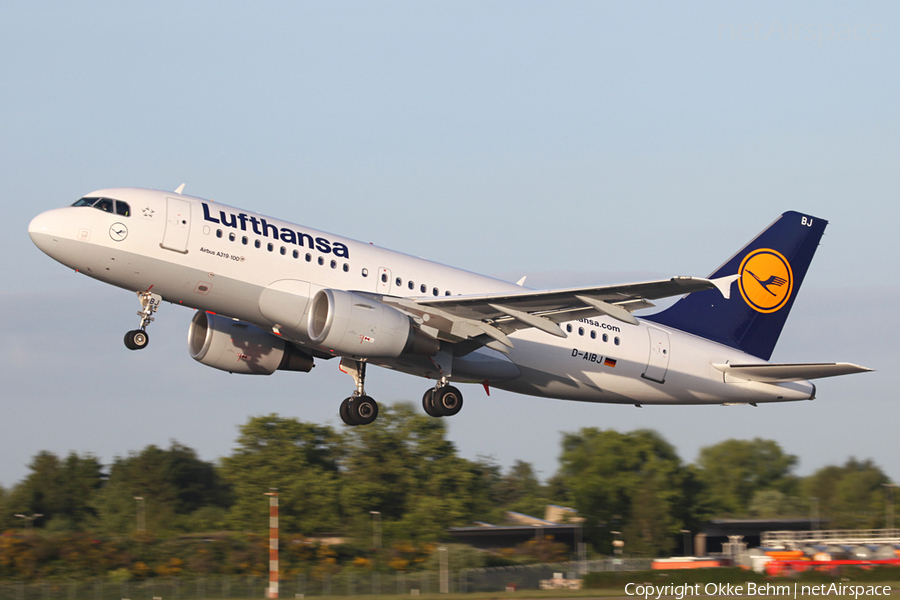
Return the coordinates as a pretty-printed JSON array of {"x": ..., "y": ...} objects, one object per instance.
[{"x": 271, "y": 295}]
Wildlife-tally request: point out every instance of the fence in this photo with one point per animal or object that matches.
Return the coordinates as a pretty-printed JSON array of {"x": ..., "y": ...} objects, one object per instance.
[{"x": 344, "y": 584}]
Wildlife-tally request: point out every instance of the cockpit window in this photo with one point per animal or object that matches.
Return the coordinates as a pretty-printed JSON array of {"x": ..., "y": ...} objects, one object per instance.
[
  {"x": 107, "y": 205},
  {"x": 104, "y": 204}
]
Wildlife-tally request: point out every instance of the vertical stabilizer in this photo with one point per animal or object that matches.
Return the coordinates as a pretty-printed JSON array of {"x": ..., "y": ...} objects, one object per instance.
[{"x": 770, "y": 270}]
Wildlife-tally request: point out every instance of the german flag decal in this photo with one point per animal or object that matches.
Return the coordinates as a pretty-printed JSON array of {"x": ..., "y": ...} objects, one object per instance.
[{"x": 609, "y": 362}]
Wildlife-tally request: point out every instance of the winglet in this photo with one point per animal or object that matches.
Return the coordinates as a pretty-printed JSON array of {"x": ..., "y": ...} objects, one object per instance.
[{"x": 179, "y": 189}]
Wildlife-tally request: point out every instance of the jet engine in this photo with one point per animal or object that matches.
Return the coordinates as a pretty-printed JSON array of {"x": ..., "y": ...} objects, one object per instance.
[
  {"x": 238, "y": 347},
  {"x": 351, "y": 324}
]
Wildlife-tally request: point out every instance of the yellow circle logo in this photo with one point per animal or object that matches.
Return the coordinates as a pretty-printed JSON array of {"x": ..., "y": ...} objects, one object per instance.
[{"x": 766, "y": 280}]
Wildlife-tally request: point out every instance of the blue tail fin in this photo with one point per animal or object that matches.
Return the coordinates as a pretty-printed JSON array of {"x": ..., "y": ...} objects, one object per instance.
[{"x": 771, "y": 269}]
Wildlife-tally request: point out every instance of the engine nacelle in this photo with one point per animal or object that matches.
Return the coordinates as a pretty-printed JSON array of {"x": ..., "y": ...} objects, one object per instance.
[
  {"x": 238, "y": 347},
  {"x": 351, "y": 324}
]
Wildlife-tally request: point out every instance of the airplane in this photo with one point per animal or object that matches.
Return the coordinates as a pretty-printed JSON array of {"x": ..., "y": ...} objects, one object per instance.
[{"x": 272, "y": 295}]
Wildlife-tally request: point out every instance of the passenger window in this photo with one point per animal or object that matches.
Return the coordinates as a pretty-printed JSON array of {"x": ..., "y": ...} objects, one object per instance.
[
  {"x": 104, "y": 204},
  {"x": 230, "y": 237},
  {"x": 447, "y": 293},
  {"x": 411, "y": 285},
  {"x": 605, "y": 338},
  {"x": 398, "y": 282},
  {"x": 422, "y": 288},
  {"x": 283, "y": 250},
  {"x": 581, "y": 331},
  {"x": 244, "y": 240},
  {"x": 270, "y": 247},
  {"x": 346, "y": 268},
  {"x": 296, "y": 254},
  {"x": 308, "y": 257},
  {"x": 617, "y": 341},
  {"x": 569, "y": 328},
  {"x": 218, "y": 233},
  {"x": 384, "y": 278},
  {"x": 256, "y": 243},
  {"x": 365, "y": 272},
  {"x": 123, "y": 209},
  {"x": 435, "y": 292},
  {"x": 593, "y": 335}
]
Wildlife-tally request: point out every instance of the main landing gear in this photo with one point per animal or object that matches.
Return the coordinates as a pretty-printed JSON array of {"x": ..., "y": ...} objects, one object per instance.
[
  {"x": 137, "y": 339},
  {"x": 443, "y": 400},
  {"x": 358, "y": 409}
]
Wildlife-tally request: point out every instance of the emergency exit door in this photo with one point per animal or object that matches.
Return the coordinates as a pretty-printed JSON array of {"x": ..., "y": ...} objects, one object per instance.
[{"x": 658, "y": 361}]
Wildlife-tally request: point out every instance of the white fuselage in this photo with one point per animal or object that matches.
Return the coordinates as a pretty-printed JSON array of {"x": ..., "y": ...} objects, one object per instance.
[{"x": 222, "y": 259}]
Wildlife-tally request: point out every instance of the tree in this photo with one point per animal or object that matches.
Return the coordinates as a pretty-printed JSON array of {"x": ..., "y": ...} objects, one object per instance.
[
  {"x": 629, "y": 482},
  {"x": 62, "y": 491},
  {"x": 772, "y": 504},
  {"x": 849, "y": 497},
  {"x": 301, "y": 460},
  {"x": 521, "y": 491},
  {"x": 403, "y": 466},
  {"x": 172, "y": 485},
  {"x": 734, "y": 470}
]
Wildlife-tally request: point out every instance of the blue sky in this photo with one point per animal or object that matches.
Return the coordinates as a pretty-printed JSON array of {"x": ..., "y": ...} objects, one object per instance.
[{"x": 573, "y": 142}]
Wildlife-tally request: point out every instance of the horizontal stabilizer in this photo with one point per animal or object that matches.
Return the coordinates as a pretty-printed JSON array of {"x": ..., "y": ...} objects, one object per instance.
[{"x": 779, "y": 373}]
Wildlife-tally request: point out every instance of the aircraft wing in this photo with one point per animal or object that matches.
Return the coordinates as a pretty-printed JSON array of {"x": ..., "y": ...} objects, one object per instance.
[
  {"x": 487, "y": 319},
  {"x": 780, "y": 373}
]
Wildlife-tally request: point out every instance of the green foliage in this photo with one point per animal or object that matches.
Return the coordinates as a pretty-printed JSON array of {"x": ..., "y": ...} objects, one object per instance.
[
  {"x": 772, "y": 504},
  {"x": 629, "y": 482},
  {"x": 300, "y": 460},
  {"x": 59, "y": 490},
  {"x": 174, "y": 484},
  {"x": 204, "y": 519},
  {"x": 850, "y": 496},
  {"x": 403, "y": 467},
  {"x": 733, "y": 470},
  {"x": 459, "y": 556}
]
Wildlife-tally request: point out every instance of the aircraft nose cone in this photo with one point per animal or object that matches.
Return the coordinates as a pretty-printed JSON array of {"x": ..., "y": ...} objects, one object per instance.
[{"x": 44, "y": 230}]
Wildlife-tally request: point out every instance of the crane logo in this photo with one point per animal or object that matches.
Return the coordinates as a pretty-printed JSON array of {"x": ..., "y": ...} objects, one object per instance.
[{"x": 766, "y": 280}]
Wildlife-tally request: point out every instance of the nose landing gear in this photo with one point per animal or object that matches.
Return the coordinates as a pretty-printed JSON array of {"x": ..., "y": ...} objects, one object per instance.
[{"x": 137, "y": 339}]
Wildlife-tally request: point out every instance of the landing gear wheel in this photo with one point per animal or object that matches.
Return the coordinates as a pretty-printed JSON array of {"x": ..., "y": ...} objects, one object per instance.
[
  {"x": 448, "y": 400},
  {"x": 428, "y": 404},
  {"x": 345, "y": 412},
  {"x": 137, "y": 339},
  {"x": 362, "y": 410}
]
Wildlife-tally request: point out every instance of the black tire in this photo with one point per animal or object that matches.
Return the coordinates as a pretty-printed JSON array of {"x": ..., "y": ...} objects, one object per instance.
[
  {"x": 345, "y": 412},
  {"x": 136, "y": 339},
  {"x": 448, "y": 400},
  {"x": 363, "y": 410},
  {"x": 428, "y": 404}
]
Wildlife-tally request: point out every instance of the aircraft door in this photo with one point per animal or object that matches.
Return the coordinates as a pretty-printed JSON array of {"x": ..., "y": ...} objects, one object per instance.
[
  {"x": 178, "y": 225},
  {"x": 384, "y": 281},
  {"x": 658, "y": 361}
]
